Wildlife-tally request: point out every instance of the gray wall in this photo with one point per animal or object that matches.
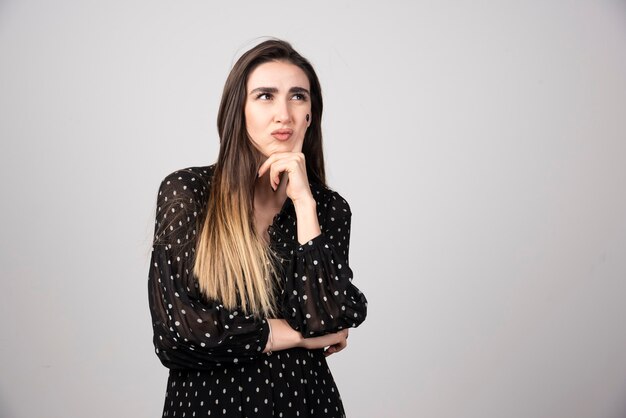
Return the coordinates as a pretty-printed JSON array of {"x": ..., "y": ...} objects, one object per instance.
[{"x": 481, "y": 145}]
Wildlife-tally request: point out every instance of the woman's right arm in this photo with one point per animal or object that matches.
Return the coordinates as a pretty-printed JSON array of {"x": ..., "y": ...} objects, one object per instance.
[{"x": 189, "y": 331}]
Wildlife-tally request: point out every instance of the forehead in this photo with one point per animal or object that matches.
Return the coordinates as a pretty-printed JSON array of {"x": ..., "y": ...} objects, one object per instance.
[{"x": 277, "y": 74}]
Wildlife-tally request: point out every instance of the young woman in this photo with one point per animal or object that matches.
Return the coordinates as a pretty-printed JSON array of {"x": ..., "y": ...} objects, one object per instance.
[{"x": 249, "y": 283}]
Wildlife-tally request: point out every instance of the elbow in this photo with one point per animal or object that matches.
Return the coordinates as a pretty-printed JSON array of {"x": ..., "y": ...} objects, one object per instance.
[
  {"x": 177, "y": 356},
  {"x": 354, "y": 316},
  {"x": 165, "y": 350},
  {"x": 358, "y": 317},
  {"x": 354, "y": 313}
]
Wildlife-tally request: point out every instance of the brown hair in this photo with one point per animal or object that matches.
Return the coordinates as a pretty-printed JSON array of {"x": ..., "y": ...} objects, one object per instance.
[{"x": 233, "y": 263}]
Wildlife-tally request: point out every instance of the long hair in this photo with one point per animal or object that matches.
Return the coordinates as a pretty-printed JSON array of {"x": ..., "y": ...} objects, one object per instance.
[{"x": 233, "y": 263}]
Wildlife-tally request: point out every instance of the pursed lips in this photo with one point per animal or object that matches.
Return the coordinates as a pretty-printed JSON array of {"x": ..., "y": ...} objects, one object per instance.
[{"x": 282, "y": 134}]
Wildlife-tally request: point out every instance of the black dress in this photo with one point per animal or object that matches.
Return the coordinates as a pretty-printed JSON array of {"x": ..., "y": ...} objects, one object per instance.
[{"x": 215, "y": 357}]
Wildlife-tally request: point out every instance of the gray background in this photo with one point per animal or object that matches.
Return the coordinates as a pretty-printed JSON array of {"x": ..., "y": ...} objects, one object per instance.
[{"x": 481, "y": 145}]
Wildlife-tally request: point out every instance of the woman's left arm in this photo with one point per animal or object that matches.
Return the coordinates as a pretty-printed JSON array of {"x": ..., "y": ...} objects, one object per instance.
[{"x": 319, "y": 297}]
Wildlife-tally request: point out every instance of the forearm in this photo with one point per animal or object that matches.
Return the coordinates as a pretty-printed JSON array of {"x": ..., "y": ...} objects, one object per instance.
[
  {"x": 282, "y": 336},
  {"x": 308, "y": 224}
]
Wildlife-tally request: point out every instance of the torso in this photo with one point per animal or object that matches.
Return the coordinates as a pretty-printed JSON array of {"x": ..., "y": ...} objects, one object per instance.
[
  {"x": 263, "y": 217},
  {"x": 288, "y": 383}
]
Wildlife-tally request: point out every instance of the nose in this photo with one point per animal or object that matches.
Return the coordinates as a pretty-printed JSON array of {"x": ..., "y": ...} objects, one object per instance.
[{"x": 282, "y": 112}]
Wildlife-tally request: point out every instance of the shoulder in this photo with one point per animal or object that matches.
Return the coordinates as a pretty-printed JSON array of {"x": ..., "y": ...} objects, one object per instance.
[
  {"x": 189, "y": 184},
  {"x": 189, "y": 177},
  {"x": 181, "y": 196},
  {"x": 329, "y": 201}
]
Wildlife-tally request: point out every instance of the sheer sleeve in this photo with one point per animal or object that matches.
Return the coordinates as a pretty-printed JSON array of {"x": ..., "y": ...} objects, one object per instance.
[
  {"x": 189, "y": 331},
  {"x": 319, "y": 296}
]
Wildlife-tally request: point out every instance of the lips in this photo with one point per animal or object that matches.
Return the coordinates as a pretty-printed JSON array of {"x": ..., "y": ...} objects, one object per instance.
[{"x": 282, "y": 134}]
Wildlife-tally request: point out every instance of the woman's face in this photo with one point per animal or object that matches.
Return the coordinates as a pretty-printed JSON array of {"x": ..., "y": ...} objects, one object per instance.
[{"x": 277, "y": 102}]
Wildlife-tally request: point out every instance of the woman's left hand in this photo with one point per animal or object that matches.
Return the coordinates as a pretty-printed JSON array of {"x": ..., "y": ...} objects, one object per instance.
[
  {"x": 335, "y": 348},
  {"x": 294, "y": 164}
]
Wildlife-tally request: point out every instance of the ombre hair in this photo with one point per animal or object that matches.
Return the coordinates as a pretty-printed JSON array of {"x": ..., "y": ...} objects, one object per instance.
[{"x": 233, "y": 262}]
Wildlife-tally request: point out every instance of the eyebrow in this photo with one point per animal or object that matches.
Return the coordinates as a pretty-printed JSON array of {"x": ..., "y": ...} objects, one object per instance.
[{"x": 275, "y": 90}]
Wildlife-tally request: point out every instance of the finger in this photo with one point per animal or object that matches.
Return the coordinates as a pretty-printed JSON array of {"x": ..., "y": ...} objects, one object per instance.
[
  {"x": 270, "y": 160},
  {"x": 335, "y": 348},
  {"x": 280, "y": 168},
  {"x": 266, "y": 164},
  {"x": 275, "y": 173},
  {"x": 341, "y": 346}
]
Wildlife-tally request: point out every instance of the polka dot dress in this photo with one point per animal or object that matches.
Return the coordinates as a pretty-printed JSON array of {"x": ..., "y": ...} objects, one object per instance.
[{"x": 215, "y": 357}]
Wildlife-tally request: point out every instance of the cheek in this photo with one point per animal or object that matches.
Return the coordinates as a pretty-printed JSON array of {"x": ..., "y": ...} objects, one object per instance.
[
  {"x": 254, "y": 118},
  {"x": 247, "y": 114}
]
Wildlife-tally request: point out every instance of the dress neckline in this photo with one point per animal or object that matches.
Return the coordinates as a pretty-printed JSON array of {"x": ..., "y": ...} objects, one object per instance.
[{"x": 287, "y": 205}]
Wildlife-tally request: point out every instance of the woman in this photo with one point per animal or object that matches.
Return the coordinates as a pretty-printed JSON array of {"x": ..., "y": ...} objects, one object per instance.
[{"x": 249, "y": 280}]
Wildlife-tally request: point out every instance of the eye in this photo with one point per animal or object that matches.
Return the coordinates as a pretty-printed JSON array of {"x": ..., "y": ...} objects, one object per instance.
[
  {"x": 263, "y": 96},
  {"x": 300, "y": 96}
]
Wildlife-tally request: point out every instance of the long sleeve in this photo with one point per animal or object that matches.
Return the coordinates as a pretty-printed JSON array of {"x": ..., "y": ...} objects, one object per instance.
[
  {"x": 189, "y": 331},
  {"x": 319, "y": 296}
]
